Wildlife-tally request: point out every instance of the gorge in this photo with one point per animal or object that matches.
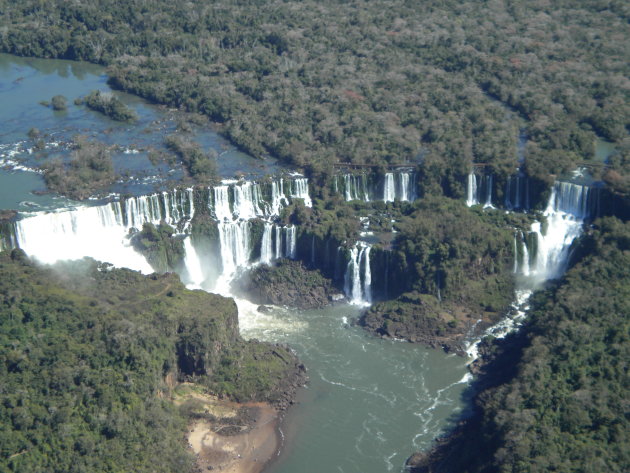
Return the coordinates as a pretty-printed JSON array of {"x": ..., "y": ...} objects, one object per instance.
[{"x": 256, "y": 192}]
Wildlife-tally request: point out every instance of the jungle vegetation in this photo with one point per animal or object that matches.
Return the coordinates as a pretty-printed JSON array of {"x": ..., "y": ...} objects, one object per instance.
[
  {"x": 315, "y": 83},
  {"x": 555, "y": 393},
  {"x": 90, "y": 355}
]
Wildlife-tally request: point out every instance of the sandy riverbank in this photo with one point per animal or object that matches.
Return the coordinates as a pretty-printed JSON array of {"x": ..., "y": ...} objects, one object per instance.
[{"x": 232, "y": 437}]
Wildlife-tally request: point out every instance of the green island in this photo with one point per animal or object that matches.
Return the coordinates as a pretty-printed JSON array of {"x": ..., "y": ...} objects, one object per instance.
[{"x": 104, "y": 369}]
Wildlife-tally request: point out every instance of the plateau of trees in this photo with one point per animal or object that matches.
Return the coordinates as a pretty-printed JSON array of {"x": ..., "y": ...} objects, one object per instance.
[
  {"x": 443, "y": 83},
  {"x": 89, "y": 355}
]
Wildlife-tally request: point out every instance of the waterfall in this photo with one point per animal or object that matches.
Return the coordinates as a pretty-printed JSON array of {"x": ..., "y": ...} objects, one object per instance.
[
  {"x": 234, "y": 244},
  {"x": 171, "y": 208},
  {"x": 222, "y": 204},
  {"x": 367, "y": 276},
  {"x": 247, "y": 200},
  {"x": 568, "y": 206},
  {"x": 358, "y": 277},
  {"x": 300, "y": 191},
  {"x": 471, "y": 190},
  {"x": 516, "y": 193},
  {"x": 566, "y": 210},
  {"x": 142, "y": 209},
  {"x": 515, "y": 266},
  {"x": 194, "y": 272},
  {"x": 278, "y": 199},
  {"x": 266, "y": 248},
  {"x": 355, "y": 187},
  {"x": 404, "y": 190},
  {"x": 396, "y": 186},
  {"x": 98, "y": 232},
  {"x": 291, "y": 244},
  {"x": 525, "y": 260},
  {"x": 571, "y": 199},
  {"x": 488, "y": 182},
  {"x": 389, "y": 189},
  {"x": 102, "y": 232}
]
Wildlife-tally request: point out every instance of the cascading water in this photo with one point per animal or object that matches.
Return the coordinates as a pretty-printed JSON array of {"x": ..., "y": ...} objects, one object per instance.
[
  {"x": 525, "y": 257},
  {"x": 247, "y": 201},
  {"x": 98, "y": 232},
  {"x": 194, "y": 276},
  {"x": 404, "y": 189},
  {"x": 355, "y": 187},
  {"x": 235, "y": 251},
  {"x": 278, "y": 199},
  {"x": 172, "y": 207},
  {"x": 389, "y": 188},
  {"x": 291, "y": 242},
  {"x": 566, "y": 210},
  {"x": 222, "y": 203},
  {"x": 488, "y": 183},
  {"x": 471, "y": 190},
  {"x": 358, "y": 277},
  {"x": 516, "y": 193},
  {"x": 101, "y": 232},
  {"x": 266, "y": 247},
  {"x": 279, "y": 252},
  {"x": 396, "y": 186},
  {"x": 568, "y": 206},
  {"x": 300, "y": 191}
]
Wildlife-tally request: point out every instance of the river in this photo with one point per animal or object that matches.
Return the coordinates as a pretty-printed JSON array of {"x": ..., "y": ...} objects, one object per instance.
[{"x": 369, "y": 404}]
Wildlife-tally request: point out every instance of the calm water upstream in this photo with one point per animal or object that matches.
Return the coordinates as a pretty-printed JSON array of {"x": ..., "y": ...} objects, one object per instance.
[
  {"x": 370, "y": 403},
  {"x": 26, "y": 82}
]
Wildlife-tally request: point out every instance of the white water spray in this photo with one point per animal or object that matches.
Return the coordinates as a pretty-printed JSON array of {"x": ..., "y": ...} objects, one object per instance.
[
  {"x": 358, "y": 277},
  {"x": 471, "y": 190}
]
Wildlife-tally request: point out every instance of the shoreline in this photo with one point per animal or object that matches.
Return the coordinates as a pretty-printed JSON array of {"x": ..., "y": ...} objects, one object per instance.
[{"x": 248, "y": 451}]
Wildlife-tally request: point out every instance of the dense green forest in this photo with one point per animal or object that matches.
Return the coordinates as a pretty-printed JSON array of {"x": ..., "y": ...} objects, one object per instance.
[
  {"x": 444, "y": 275},
  {"x": 556, "y": 395},
  {"x": 90, "y": 355},
  {"x": 315, "y": 83}
]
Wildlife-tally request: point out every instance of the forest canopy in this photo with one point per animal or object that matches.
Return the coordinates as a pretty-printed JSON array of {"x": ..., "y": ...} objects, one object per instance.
[{"x": 445, "y": 83}]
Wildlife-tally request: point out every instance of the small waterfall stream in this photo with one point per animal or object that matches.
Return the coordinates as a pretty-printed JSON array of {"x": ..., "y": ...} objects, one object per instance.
[
  {"x": 399, "y": 185},
  {"x": 358, "y": 277},
  {"x": 471, "y": 190},
  {"x": 389, "y": 188}
]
